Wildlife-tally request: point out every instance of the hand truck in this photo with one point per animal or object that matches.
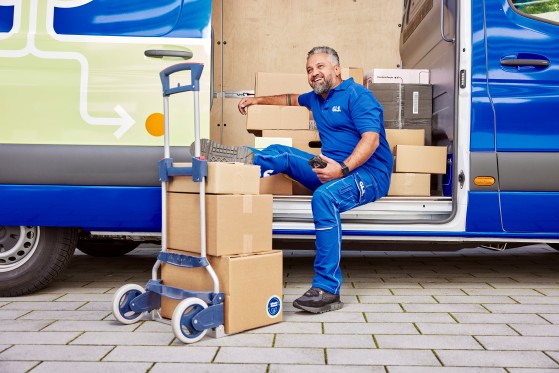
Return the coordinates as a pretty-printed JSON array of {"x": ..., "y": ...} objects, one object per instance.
[{"x": 199, "y": 311}]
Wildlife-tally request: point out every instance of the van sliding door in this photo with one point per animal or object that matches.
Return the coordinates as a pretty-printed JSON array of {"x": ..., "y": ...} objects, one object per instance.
[{"x": 523, "y": 82}]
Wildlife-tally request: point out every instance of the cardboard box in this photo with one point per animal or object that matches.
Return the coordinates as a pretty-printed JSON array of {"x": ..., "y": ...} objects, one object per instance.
[
  {"x": 404, "y": 137},
  {"x": 278, "y": 184},
  {"x": 353, "y": 72},
  {"x": 414, "y": 101},
  {"x": 223, "y": 178},
  {"x": 420, "y": 159},
  {"x": 275, "y": 117},
  {"x": 235, "y": 224},
  {"x": 410, "y": 184},
  {"x": 305, "y": 140},
  {"x": 406, "y": 76},
  {"x": 268, "y": 84},
  {"x": 418, "y": 124},
  {"x": 252, "y": 285}
]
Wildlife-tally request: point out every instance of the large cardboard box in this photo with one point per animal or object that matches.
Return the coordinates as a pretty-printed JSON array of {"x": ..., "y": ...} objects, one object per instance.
[
  {"x": 223, "y": 178},
  {"x": 405, "y": 76},
  {"x": 404, "y": 101},
  {"x": 353, "y": 72},
  {"x": 268, "y": 84},
  {"x": 306, "y": 140},
  {"x": 410, "y": 184},
  {"x": 420, "y": 159},
  {"x": 278, "y": 184},
  {"x": 235, "y": 224},
  {"x": 275, "y": 117},
  {"x": 404, "y": 137},
  {"x": 252, "y": 285}
]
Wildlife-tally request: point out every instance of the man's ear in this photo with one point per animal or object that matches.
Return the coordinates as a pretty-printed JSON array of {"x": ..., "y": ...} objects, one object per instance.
[{"x": 338, "y": 70}]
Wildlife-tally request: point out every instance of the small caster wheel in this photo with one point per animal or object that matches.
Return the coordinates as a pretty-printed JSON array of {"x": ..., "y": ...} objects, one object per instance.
[
  {"x": 182, "y": 320},
  {"x": 121, "y": 303}
]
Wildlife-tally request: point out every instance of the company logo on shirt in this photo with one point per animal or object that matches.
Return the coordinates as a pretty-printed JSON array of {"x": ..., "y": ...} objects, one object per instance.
[{"x": 336, "y": 109}]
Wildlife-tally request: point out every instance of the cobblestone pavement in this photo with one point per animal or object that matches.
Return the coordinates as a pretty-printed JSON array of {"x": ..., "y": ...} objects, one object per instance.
[{"x": 472, "y": 310}]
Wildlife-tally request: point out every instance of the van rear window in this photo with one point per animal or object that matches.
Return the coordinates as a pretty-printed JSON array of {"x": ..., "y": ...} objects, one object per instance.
[
  {"x": 6, "y": 18},
  {"x": 543, "y": 9}
]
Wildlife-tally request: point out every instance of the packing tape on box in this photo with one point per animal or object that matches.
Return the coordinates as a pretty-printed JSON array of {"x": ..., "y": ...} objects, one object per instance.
[
  {"x": 247, "y": 243},
  {"x": 247, "y": 204}
]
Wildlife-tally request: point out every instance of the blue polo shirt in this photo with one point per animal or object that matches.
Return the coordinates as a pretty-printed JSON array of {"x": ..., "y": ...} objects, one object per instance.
[{"x": 348, "y": 111}]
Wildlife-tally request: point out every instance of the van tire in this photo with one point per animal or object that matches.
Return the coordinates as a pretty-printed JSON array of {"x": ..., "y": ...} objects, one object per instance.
[
  {"x": 32, "y": 257},
  {"x": 106, "y": 248}
]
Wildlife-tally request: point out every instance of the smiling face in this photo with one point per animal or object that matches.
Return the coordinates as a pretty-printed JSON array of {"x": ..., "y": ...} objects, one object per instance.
[{"x": 322, "y": 73}]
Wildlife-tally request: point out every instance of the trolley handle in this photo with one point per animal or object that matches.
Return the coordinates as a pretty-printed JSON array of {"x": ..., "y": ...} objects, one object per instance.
[{"x": 195, "y": 71}]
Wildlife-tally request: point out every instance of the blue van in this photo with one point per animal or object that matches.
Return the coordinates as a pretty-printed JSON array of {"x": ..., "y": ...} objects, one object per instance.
[{"x": 81, "y": 128}]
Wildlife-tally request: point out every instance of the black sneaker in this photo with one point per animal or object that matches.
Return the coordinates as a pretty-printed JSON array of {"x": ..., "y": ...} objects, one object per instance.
[
  {"x": 216, "y": 152},
  {"x": 316, "y": 300}
]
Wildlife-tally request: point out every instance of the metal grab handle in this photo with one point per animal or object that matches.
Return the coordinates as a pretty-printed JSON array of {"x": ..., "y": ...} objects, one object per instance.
[
  {"x": 442, "y": 25},
  {"x": 160, "y": 53},
  {"x": 196, "y": 73},
  {"x": 524, "y": 62}
]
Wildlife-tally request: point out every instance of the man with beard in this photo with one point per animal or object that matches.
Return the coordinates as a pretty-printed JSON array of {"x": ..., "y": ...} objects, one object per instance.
[{"x": 358, "y": 163}]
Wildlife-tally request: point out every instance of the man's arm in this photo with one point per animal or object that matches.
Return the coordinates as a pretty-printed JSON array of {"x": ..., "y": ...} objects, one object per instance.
[
  {"x": 290, "y": 99},
  {"x": 363, "y": 151}
]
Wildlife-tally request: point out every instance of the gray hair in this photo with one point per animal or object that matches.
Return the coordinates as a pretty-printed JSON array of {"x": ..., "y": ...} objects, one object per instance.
[{"x": 329, "y": 51}]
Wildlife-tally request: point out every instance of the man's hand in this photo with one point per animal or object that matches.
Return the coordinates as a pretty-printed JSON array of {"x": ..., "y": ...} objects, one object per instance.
[
  {"x": 331, "y": 172},
  {"x": 245, "y": 103}
]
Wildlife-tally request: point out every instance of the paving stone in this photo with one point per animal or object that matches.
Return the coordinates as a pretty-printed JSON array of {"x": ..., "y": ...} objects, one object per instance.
[
  {"x": 371, "y": 307},
  {"x": 235, "y": 340},
  {"x": 519, "y": 343},
  {"x": 339, "y": 316},
  {"x": 90, "y": 326},
  {"x": 125, "y": 339},
  {"x": 465, "y": 299},
  {"x": 549, "y": 292},
  {"x": 167, "y": 354},
  {"x": 537, "y": 330},
  {"x": 91, "y": 367},
  {"x": 501, "y": 292},
  {"x": 551, "y": 317},
  {"x": 412, "y": 307},
  {"x": 428, "y": 292},
  {"x": 529, "y": 370},
  {"x": 44, "y": 306},
  {"x": 290, "y": 328},
  {"x": 387, "y": 285},
  {"x": 430, "y": 342},
  {"x": 397, "y": 299},
  {"x": 11, "y": 314},
  {"x": 55, "y": 353},
  {"x": 86, "y": 298},
  {"x": 24, "y": 325},
  {"x": 457, "y": 285},
  {"x": 370, "y": 328},
  {"x": 97, "y": 306},
  {"x": 410, "y": 317},
  {"x": 537, "y": 300},
  {"x": 208, "y": 368},
  {"x": 66, "y": 315},
  {"x": 381, "y": 357},
  {"x": 324, "y": 341},
  {"x": 34, "y": 338},
  {"x": 465, "y": 329},
  {"x": 32, "y": 298},
  {"x": 554, "y": 355},
  {"x": 517, "y": 359},
  {"x": 393, "y": 369},
  {"x": 270, "y": 355},
  {"x": 324, "y": 369},
  {"x": 17, "y": 366},
  {"x": 496, "y": 318}
]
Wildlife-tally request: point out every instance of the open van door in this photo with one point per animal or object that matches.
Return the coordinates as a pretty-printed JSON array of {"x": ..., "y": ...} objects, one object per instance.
[{"x": 523, "y": 83}]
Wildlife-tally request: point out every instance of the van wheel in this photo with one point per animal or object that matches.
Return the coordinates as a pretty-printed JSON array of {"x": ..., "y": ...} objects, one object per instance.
[
  {"x": 106, "y": 248},
  {"x": 32, "y": 257}
]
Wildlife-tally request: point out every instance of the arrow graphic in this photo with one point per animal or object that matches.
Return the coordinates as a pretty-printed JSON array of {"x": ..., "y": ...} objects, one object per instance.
[{"x": 124, "y": 121}]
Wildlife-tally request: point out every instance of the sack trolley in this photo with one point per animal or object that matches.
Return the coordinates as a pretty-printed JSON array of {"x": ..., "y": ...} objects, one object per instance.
[{"x": 198, "y": 312}]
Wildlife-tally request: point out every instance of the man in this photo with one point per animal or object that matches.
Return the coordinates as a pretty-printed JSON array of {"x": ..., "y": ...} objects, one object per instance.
[{"x": 358, "y": 163}]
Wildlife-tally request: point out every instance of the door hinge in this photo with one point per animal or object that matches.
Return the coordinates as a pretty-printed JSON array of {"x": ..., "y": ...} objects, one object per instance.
[{"x": 461, "y": 179}]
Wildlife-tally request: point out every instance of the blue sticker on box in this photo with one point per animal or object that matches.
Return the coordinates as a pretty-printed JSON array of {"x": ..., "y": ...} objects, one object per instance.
[{"x": 273, "y": 307}]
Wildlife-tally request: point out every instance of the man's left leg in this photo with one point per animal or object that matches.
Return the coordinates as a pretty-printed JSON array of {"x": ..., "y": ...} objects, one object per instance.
[{"x": 328, "y": 202}]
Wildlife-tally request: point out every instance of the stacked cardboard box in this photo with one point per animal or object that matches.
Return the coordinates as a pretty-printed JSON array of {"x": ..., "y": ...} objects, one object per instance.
[
  {"x": 414, "y": 162},
  {"x": 238, "y": 244}
]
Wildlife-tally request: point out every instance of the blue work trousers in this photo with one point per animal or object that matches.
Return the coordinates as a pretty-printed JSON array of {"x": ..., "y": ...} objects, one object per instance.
[{"x": 328, "y": 201}]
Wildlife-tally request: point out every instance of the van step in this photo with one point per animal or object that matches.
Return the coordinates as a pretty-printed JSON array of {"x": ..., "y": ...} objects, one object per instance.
[{"x": 298, "y": 208}]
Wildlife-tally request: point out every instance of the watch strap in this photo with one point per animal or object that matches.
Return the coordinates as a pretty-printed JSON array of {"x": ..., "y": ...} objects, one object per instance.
[{"x": 345, "y": 169}]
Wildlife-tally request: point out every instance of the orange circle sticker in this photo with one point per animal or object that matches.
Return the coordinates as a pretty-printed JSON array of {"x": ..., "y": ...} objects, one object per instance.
[{"x": 155, "y": 124}]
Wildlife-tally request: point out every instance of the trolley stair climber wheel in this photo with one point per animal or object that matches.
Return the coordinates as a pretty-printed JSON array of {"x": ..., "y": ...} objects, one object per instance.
[
  {"x": 122, "y": 304},
  {"x": 185, "y": 324}
]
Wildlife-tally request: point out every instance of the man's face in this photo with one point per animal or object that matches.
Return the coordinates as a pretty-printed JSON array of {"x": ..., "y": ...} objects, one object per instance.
[{"x": 321, "y": 73}]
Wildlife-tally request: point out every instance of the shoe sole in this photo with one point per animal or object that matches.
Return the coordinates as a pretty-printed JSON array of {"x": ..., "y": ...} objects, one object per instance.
[
  {"x": 326, "y": 308},
  {"x": 216, "y": 152}
]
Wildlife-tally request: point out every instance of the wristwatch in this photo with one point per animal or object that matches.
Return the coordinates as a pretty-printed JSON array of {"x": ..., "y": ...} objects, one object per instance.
[{"x": 345, "y": 170}]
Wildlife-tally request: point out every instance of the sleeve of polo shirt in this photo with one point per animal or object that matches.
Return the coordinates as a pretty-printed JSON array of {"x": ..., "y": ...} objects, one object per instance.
[
  {"x": 366, "y": 112},
  {"x": 304, "y": 99}
]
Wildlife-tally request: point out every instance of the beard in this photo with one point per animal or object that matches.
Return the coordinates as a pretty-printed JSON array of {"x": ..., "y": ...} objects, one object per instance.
[{"x": 320, "y": 89}]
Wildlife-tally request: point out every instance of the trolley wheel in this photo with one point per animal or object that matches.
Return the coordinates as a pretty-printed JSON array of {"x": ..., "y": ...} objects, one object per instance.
[
  {"x": 182, "y": 320},
  {"x": 121, "y": 303}
]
